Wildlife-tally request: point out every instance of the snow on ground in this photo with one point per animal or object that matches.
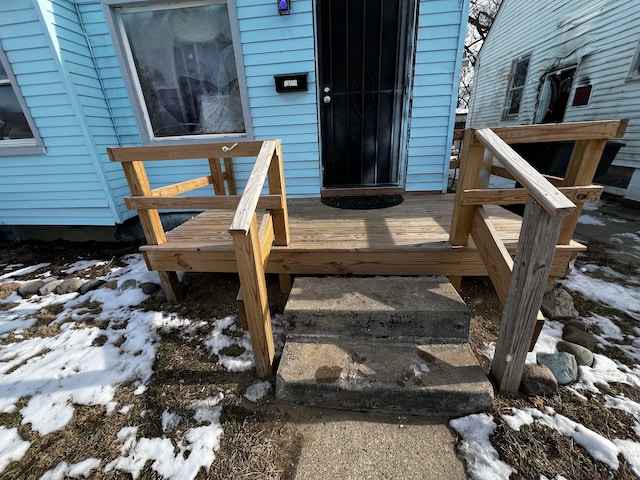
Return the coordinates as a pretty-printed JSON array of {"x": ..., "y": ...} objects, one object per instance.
[
  {"x": 620, "y": 292},
  {"x": 104, "y": 339}
]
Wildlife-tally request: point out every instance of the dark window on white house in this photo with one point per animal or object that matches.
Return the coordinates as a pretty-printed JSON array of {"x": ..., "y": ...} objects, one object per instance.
[
  {"x": 184, "y": 68},
  {"x": 517, "y": 82},
  {"x": 17, "y": 133},
  {"x": 554, "y": 95},
  {"x": 634, "y": 72}
]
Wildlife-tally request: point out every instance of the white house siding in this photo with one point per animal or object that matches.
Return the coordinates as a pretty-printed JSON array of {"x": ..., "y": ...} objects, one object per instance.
[
  {"x": 64, "y": 186},
  {"x": 441, "y": 27},
  {"x": 601, "y": 36}
]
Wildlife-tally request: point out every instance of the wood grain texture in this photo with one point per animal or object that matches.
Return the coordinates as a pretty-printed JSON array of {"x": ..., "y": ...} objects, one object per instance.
[
  {"x": 247, "y": 207},
  {"x": 185, "y": 151},
  {"x": 554, "y": 202},
  {"x": 560, "y": 132},
  {"x": 516, "y": 196},
  {"x": 531, "y": 270},
  {"x": 254, "y": 293}
]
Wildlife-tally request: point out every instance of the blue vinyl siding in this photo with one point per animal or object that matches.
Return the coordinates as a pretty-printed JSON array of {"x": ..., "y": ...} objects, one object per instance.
[
  {"x": 271, "y": 45},
  {"x": 441, "y": 27},
  {"x": 65, "y": 185},
  {"x": 65, "y": 62}
]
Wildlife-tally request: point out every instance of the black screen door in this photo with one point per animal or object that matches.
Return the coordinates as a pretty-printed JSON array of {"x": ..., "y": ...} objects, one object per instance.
[{"x": 363, "y": 54}]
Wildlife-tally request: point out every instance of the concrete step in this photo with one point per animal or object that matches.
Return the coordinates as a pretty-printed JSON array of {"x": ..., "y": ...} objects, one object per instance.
[
  {"x": 439, "y": 380},
  {"x": 424, "y": 309}
]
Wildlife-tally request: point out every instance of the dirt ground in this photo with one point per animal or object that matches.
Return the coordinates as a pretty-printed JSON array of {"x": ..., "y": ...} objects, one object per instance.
[{"x": 260, "y": 441}]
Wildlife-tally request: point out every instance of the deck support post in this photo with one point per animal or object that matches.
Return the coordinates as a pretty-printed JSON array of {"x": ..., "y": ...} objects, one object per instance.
[
  {"x": 254, "y": 294},
  {"x": 471, "y": 170},
  {"x": 532, "y": 265}
]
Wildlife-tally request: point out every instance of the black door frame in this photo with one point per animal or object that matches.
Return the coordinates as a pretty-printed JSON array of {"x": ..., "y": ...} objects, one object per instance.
[{"x": 401, "y": 100}]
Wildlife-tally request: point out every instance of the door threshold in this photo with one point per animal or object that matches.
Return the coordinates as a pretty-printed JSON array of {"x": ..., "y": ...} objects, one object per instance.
[{"x": 363, "y": 191}]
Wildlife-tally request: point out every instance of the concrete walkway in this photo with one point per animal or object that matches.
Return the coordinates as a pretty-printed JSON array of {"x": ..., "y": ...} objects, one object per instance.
[{"x": 346, "y": 445}]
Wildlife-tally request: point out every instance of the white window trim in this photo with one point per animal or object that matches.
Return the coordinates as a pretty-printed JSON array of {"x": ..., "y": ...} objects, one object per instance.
[
  {"x": 133, "y": 85},
  {"x": 634, "y": 71},
  {"x": 26, "y": 146},
  {"x": 505, "y": 108}
]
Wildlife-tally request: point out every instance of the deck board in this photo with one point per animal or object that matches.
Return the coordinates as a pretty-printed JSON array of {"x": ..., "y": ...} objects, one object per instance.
[{"x": 408, "y": 239}]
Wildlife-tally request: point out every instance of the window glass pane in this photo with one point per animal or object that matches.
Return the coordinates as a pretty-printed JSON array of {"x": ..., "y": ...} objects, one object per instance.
[
  {"x": 3, "y": 73},
  {"x": 520, "y": 75},
  {"x": 514, "y": 101},
  {"x": 186, "y": 66},
  {"x": 13, "y": 124}
]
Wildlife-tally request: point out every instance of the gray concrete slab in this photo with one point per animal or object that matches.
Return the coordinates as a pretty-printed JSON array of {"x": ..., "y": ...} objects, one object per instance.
[
  {"x": 411, "y": 379},
  {"x": 358, "y": 446},
  {"x": 426, "y": 308}
]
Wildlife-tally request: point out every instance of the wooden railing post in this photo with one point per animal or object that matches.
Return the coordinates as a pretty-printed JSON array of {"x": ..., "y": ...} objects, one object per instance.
[
  {"x": 534, "y": 257},
  {"x": 151, "y": 224},
  {"x": 581, "y": 169},
  {"x": 254, "y": 293}
]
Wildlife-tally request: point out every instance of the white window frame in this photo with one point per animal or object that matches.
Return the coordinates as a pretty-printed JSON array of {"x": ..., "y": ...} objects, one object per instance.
[
  {"x": 22, "y": 146},
  {"x": 133, "y": 84},
  {"x": 634, "y": 71},
  {"x": 511, "y": 88}
]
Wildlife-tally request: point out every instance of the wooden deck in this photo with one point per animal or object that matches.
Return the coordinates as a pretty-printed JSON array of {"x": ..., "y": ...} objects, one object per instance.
[{"x": 408, "y": 239}]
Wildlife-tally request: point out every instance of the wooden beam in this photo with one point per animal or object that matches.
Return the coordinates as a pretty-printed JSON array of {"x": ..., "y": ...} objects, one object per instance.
[
  {"x": 185, "y": 151},
  {"x": 493, "y": 253},
  {"x": 554, "y": 202},
  {"x": 217, "y": 176},
  {"x": 242, "y": 311},
  {"x": 138, "y": 181},
  {"x": 470, "y": 166},
  {"x": 247, "y": 207},
  {"x": 230, "y": 176},
  {"x": 276, "y": 186},
  {"x": 531, "y": 270},
  {"x": 254, "y": 293},
  {"x": 561, "y": 132},
  {"x": 518, "y": 196},
  {"x": 582, "y": 167},
  {"x": 228, "y": 202},
  {"x": 181, "y": 187}
]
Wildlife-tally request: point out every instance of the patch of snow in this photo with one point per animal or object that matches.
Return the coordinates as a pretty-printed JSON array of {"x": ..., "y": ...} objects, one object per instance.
[
  {"x": 257, "y": 391},
  {"x": 198, "y": 445},
  {"x": 12, "y": 447},
  {"x": 24, "y": 271},
  {"x": 616, "y": 296},
  {"x": 482, "y": 460},
  {"x": 218, "y": 341},
  {"x": 78, "y": 470},
  {"x": 586, "y": 219},
  {"x": 170, "y": 420},
  {"x": 83, "y": 265}
]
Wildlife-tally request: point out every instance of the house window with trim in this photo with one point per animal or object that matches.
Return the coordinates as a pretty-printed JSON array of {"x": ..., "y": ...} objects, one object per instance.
[
  {"x": 518, "y": 79},
  {"x": 634, "y": 72},
  {"x": 18, "y": 135},
  {"x": 185, "y": 68}
]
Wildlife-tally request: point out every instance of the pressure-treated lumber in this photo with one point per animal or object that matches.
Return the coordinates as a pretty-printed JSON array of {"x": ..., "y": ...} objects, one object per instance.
[
  {"x": 185, "y": 151},
  {"x": 545, "y": 194},
  {"x": 229, "y": 202},
  {"x": 528, "y": 281},
  {"x": 562, "y": 132},
  {"x": 518, "y": 196},
  {"x": 254, "y": 294},
  {"x": 248, "y": 203},
  {"x": 471, "y": 163},
  {"x": 494, "y": 254}
]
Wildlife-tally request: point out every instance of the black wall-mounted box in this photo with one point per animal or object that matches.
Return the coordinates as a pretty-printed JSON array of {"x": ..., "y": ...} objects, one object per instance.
[{"x": 291, "y": 82}]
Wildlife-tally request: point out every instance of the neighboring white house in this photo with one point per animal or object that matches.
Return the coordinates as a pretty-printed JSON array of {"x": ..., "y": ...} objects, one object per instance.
[{"x": 563, "y": 61}]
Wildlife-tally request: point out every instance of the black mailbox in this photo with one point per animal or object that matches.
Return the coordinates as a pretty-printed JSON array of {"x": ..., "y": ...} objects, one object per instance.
[{"x": 291, "y": 82}]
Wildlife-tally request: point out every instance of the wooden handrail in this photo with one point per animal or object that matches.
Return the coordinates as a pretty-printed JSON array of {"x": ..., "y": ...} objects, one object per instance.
[
  {"x": 185, "y": 152},
  {"x": 548, "y": 196},
  {"x": 518, "y": 196},
  {"x": 246, "y": 211},
  {"x": 228, "y": 202},
  {"x": 562, "y": 132}
]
